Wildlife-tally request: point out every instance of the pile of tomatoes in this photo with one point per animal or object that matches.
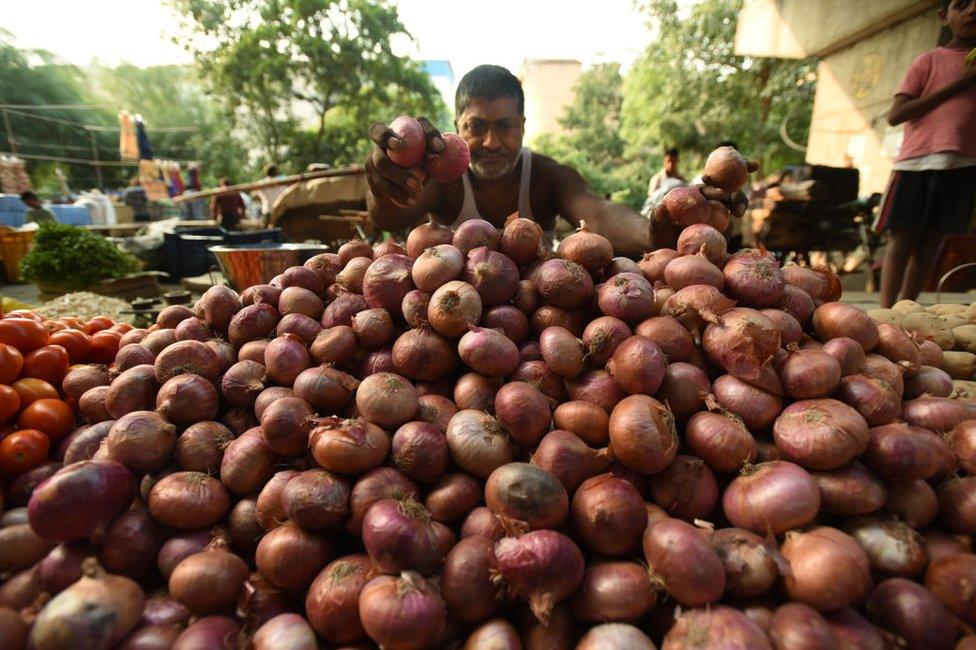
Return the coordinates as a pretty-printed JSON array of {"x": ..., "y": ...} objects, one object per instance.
[{"x": 35, "y": 355}]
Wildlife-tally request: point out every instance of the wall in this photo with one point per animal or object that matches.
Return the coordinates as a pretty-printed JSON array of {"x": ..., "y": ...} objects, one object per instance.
[{"x": 548, "y": 85}]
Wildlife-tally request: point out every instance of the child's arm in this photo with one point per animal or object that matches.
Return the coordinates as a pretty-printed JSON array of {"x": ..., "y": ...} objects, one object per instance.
[{"x": 906, "y": 108}]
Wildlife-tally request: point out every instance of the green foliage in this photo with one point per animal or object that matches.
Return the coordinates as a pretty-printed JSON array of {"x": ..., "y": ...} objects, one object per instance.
[
  {"x": 74, "y": 257},
  {"x": 304, "y": 78}
]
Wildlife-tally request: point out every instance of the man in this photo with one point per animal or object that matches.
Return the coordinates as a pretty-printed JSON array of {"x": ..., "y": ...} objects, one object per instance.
[
  {"x": 135, "y": 197},
  {"x": 229, "y": 208},
  {"x": 268, "y": 195},
  {"x": 669, "y": 176},
  {"x": 37, "y": 213},
  {"x": 503, "y": 176}
]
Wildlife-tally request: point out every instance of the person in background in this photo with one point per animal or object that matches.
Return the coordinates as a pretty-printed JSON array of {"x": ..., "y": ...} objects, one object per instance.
[
  {"x": 668, "y": 172},
  {"x": 268, "y": 195},
  {"x": 932, "y": 190},
  {"x": 228, "y": 208},
  {"x": 37, "y": 213},
  {"x": 134, "y": 196}
]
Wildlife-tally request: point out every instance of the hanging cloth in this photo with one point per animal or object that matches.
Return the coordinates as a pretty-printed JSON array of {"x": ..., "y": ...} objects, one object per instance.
[
  {"x": 194, "y": 176},
  {"x": 128, "y": 147},
  {"x": 145, "y": 148}
]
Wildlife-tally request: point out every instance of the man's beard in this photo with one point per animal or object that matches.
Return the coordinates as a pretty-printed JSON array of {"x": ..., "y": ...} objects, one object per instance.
[{"x": 493, "y": 174}]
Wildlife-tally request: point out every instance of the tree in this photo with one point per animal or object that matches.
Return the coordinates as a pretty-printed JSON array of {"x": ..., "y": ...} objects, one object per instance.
[
  {"x": 689, "y": 89},
  {"x": 300, "y": 73}
]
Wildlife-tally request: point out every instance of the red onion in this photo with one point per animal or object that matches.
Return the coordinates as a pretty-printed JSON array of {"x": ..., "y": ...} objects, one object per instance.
[
  {"x": 699, "y": 236},
  {"x": 209, "y": 581},
  {"x": 854, "y": 631},
  {"x": 744, "y": 342},
  {"x": 806, "y": 374},
  {"x": 79, "y": 500},
  {"x": 929, "y": 381},
  {"x": 523, "y": 411},
  {"x": 899, "y": 347},
  {"x": 315, "y": 499},
  {"x": 327, "y": 390},
  {"x": 376, "y": 485},
  {"x": 260, "y": 293},
  {"x": 332, "y": 601},
  {"x": 285, "y": 631},
  {"x": 609, "y": 515},
  {"x": 914, "y": 503},
  {"x": 569, "y": 459},
  {"x": 561, "y": 351},
  {"x": 601, "y": 338},
  {"x": 488, "y": 352},
  {"x": 187, "y": 357},
  {"x": 873, "y": 398},
  {"x": 548, "y": 316},
  {"x": 172, "y": 315},
  {"x": 903, "y": 452},
  {"x": 243, "y": 527},
  {"x": 453, "y": 308},
  {"x": 135, "y": 335},
  {"x": 850, "y": 490},
  {"x": 61, "y": 567},
  {"x": 22, "y": 547},
  {"x": 670, "y": 336},
  {"x": 541, "y": 376},
  {"x": 652, "y": 265},
  {"x": 797, "y": 303},
  {"x": 642, "y": 434},
  {"x": 481, "y": 522},
  {"x": 374, "y": 362},
  {"x": 193, "y": 329},
  {"x": 794, "y": 625},
  {"x": 614, "y": 591},
  {"x": 351, "y": 275},
  {"x": 386, "y": 399},
  {"x": 243, "y": 382},
  {"x": 627, "y": 296},
  {"x": 341, "y": 310},
  {"x": 527, "y": 299},
  {"x": 510, "y": 320},
  {"x": 373, "y": 328},
  {"x": 820, "y": 434},
  {"x": 348, "y": 446},
  {"x": 405, "y": 611},
  {"x": 771, "y": 497},
  {"x": 326, "y": 265},
  {"x": 299, "y": 276},
  {"x": 220, "y": 304},
  {"x": 693, "y": 268},
  {"x": 957, "y": 505},
  {"x": 474, "y": 233},
  {"x": 285, "y": 358},
  {"x": 930, "y": 354},
  {"x": 163, "y": 610},
  {"x": 419, "y": 450},
  {"x": 879, "y": 367},
  {"x": 935, "y": 413},
  {"x": 683, "y": 389},
  {"x": 266, "y": 397},
  {"x": 493, "y": 275},
  {"x": 638, "y": 365},
  {"x": 183, "y": 400},
  {"x": 590, "y": 250},
  {"x": 524, "y": 493},
  {"x": 753, "y": 279},
  {"x": 475, "y": 392},
  {"x": 848, "y": 353},
  {"x": 354, "y": 248},
  {"x": 13, "y": 629},
  {"x": 133, "y": 390},
  {"x": 828, "y": 569},
  {"x": 962, "y": 439},
  {"x": 386, "y": 281},
  {"x": 253, "y": 351},
  {"x": 22, "y": 486},
  {"x": 751, "y": 563},
  {"x": 686, "y": 489},
  {"x": 159, "y": 340},
  {"x": 426, "y": 235},
  {"x": 21, "y": 590},
  {"x": 469, "y": 591},
  {"x": 83, "y": 378},
  {"x": 563, "y": 284},
  {"x": 949, "y": 578},
  {"x": 542, "y": 567},
  {"x": 286, "y": 424},
  {"x": 436, "y": 409},
  {"x": 92, "y": 403},
  {"x": 188, "y": 500},
  {"x": 300, "y": 325},
  {"x": 179, "y": 547},
  {"x": 399, "y": 536},
  {"x": 892, "y": 548},
  {"x": 423, "y": 355},
  {"x": 247, "y": 464},
  {"x": 290, "y": 556},
  {"x": 477, "y": 442},
  {"x": 596, "y": 386},
  {"x": 834, "y": 319},
  {"x": 695, "y": 576},
  {"x": 585, "y": 419},
  {"x": 692, "y": 305},
  {"x": 334, "y": 345},
  {"x": 414, "y": 307},
  {"x": 911, "y": 612},
  {"x": 718, "y": 624},
  {"x": 757, "y": 408},
  {"x": 130, "y": 544},
  {"x": 269, "y": 511},
  {"x": 720, "y": 439},
  {"x": 253, "y": 322}
]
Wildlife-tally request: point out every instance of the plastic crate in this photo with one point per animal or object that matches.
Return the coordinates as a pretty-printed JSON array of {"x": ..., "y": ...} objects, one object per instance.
[
  {"x": 12, "y": 218},
  {"x": 187, "y": 255},
  {"x": 73, "y": 215}
]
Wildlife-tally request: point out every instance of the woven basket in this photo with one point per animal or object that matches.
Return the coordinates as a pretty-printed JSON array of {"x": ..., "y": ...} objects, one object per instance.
[{"x": 14, "y": 245}]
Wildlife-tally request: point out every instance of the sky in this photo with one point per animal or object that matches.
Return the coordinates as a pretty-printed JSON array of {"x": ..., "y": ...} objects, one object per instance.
[{"x": 465, "y": 32}]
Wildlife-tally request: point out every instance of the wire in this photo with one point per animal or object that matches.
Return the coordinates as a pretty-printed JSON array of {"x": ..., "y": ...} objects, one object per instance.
[
  {"x": 95, "y": 127},
  {"x": 82, "y": 161},
  {"x": 59, "y": 107}
]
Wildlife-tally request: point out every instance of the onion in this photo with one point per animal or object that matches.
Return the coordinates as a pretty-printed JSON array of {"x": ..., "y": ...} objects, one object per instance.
[
  {"x": 596, "y": 386},
  {"x": 744, "y": 343},
  {"x": 386, "y": 281},
  {"x": 436, "y": 409},
  {"x": 718, "y": 626},
  {"x": 399, "y": 535},
  {"x": 188, "y": 500},
  {"x": 691, "y": 269},
  {"x": 332, "y": 601},
  {"x": 548, "y": 316},
  {"x": 481, "y": 522},
  {"x": 879, "y": 367},
  {"x": 652, "y": 265},
  {"x": 348, "y": 446},
  {"x": 935, "y": 413},
  {"x": 260, "y": 293},
  {"x": 183, "y": 400},
  {"x": 269, "y": 511},
  {"x": 956, "y": 504},
  {"x": 797, "y": 303},
  {"x": 92, "y": 403},
  {"x": 133, "y": 390},
  {"x": 315, "y": 499},
  {"x": 930, "y": 354},
  {"x": 903, "y": 452},
  {"x": 638, "y": 365},
  {"x": 543, "y": 567},
  {"x": 477, "y": 442},
  {"x": 694, "y": 576},
  {"x": 130, "y": 544},
  {"x": 243, "y": 382},
  {"x": 835, "y": 319},
  {"x": 253, "y": 322},
  {"x": 405, "y": 611},
  {"x": 523, "y": 411},
  {"x": 561, "y": 351},
  {"x": 13, "y": 629},
  {"x": 179, "y": 547},
  {"x": 585, "y": 419},
  {"x": 757, "y": 408},
  {"x": 569, "y": 459},
  {"x": 874, "y": 399},
  {"x": 327, "y": 390},
  {"x": 290, "y": 556},
  {"x": 854, "y": 631},
  {"x": 22, "y": 548},
  {"x": 848, "y": 353},
  {"x": 771, "y": 497},
  {"x": 83, "y": 378},
  {"x": 247, "y": 464},
  {"x": 326, "y": 265},
  {"x": 493, "y": 275},
  {"x": 692, "y": 305},
  {"x": 376, "y": 485},
  {"x": 510, "y": 320},
  {"x": 424, "y": 355},
  {"x": 526, "y": 494},
  {"x": 173, "y": 315},
  {"x": 474, "y": 233},
  {"x": 21, "y": 590},
  {"x": 469, "y": 592},
  {"x": 899, "y": 347},
  {"x": 341, "y": 310},
  {"x": 374, "y": 362},
  {"x": 299, "y": 276},
  {"x": 929, "y": 381},
  {"x": 806, "y": 374},
  {"x": 911, "y": 612},
  {"x": 820, "y": 434},
  {"x": 286, "y": 424},
  {"x": 187, "y": 357},
  {"x": 614, "y": 591},
  {"x": 642, "y": 434},
  {"x": 159, "y": 340},
  {"x": 794, "y": 625},
  {"x": 609, "y": 515},
  {"x": 684, "y": 388},
  {"x": 669, "y": 335},
  {"x": 220, "y": 304},
  {"x": 285, "y": 631},
  {"x": 720, "y": 438},
  {"x": 243, "y": 527},
  {"x": 476, "y": 392},
  {"x": 627, "y": 296},
  {"x": 488, "y": 352},
  {"x": 915, "y": 503},
  {"x": 300, "y": 325},
  {"x": 334, "y": 345},
  {"x": 22, "y": 487},
  {"x": 373, "y": 328},
  {"x": 751, "y": 563},
  {"x": 453, "y": 307},
  {"x": 420, "y": 451},
  {"x": 386, "y": 399},
  {"x": 962, "y": 440},
  {"x": 97, "y": 611},
  {"x": 828, "y": 569},
  {"x": 753, "y": 279},
  {"x": 163, "y": 610},
  {"x": 601, "y": 338},
  {"x": 351, "y": 275},
  {"x": 209, "y": 581},
  {"x": 450, "y": 498},
  {"x": 253, "y": 351},
  {"x": 193, "y": 329},
  {"x": 427, "y": 235},
  {"x": 949, "y": 578},
  {"x": 414, "y": 307},
  {"x": 590, "y": 250},
  {"x": 527, "y": 299},
  {"x": 686, "y": 489},
  {"x": 354, "y": 248},
  {"x": 285, "y": 358},
  {"x": 61, "y": 567},
  {"x": 700, "y": 236},
  {"x": 541, "y": 376},
  {"x": 892, "y": 548},
  {"x": 850, "y": 490},
  {"x": 135, "y": 335},
  {"x": 208, "y": 632},
  {"x": 79, "y": 500}
]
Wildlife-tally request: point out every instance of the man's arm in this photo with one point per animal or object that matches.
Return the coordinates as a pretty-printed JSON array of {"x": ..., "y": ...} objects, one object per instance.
[
  {"x": 388, "y": 216},
  {"x": 906, "y": 108}
]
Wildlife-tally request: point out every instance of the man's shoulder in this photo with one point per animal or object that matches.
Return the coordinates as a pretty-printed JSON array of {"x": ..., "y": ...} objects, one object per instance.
[{"x": 550, "y": 168}]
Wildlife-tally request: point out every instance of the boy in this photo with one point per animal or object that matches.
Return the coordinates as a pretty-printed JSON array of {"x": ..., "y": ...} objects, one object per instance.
[
  {"x": 37, "y": 213},
  {"x": 933, "y": 186}
]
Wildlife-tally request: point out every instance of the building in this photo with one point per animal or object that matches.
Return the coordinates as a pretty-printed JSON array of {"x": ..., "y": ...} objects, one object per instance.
[
  {"x": 864, "y": 50},
  {"x": 549, "y": 86}
]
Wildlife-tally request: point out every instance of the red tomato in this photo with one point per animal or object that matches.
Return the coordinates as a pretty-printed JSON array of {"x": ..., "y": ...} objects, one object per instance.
[
  {"x": 121, "y": 328},
  {"x": 24, "y": 313},
  {"x": 104, "y": 347},
  {"x": 23, "y": 450},
  {"x": 98, "y": 324},
  {"x": 54, "y": 326},
  {"x": 23, "y": 333},
  {"x": 52, "y": 416},
  {"x": 73, "y": 322},
  {"x": 30, "y": 389},
  {"x": 49, "y": 363},
  {"x": 77, "y": 343},
  {"x": 11, "y": 363},
  {"x": 9, "y": 403}
]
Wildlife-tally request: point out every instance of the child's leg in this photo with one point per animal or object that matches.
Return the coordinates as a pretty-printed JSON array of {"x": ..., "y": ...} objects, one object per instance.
[
  {"x": 920, "y": 264},
  {"x": 897, "y": 252}
]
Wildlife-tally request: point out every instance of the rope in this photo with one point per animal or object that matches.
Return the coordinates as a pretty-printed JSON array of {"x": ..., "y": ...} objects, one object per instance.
[{"x": 82, "y": 161}]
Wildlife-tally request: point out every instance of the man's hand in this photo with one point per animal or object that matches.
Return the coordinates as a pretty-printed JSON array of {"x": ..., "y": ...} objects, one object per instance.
[
  {"x": 387, "y": 181},
  {"x": 736, "y": 202}
]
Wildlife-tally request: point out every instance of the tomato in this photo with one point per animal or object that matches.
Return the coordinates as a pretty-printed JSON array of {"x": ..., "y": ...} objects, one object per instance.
[
  {"x": 121, "y": 328},
  {"x": 52, "y": 416},
  {"x": 11, "y": 363},
  {"x": 98, "y": 324},
  {"x": 49, "y": 363},
  {"x": 23, "y": 333},
  {"x": 77, "y": 343},
  {"x": 9, "y": 403},
  {"x": 72, "y": 322},
  {"x": 30, "y": 389},
  {"x": 104, "y": 347},
  {"x": 54, "y": 326},
  {"x": 23, "y": 450},
  {"x": 24, "y": 313}
]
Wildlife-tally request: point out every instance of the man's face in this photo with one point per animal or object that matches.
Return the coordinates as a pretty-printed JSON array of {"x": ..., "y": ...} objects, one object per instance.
[
  {"x": 671, "y": 164},
  {"x": 961, "y": 18},
  {"x": 493, "y": 130},
  {"x": 32, "y": 202}
]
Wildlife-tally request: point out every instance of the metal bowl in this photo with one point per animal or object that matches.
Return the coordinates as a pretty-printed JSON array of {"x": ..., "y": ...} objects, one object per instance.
[{"x": 245, "y": 265}]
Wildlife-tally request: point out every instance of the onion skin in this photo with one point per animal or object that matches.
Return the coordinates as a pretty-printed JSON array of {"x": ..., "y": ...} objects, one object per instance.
[
  {"x": 902, "y": 452},
  {"x": 79, "y": 500},
  {"x": 851, "y": 490},
  {"x": 685, "y": 562},
  {"x": 142, "y": 441},
  {"x": 208, "y": 632},
  {"x": 402, "y": 612},
  {"x": 828, "y": 569},
  {"x": 209, "y": 581},
  {"x": 376, "y": 485},
  {"x": 719, "y": 627},
  {"x": 523, "y": 411},
  {"x": 935, "y": 413},
  {"x": 286, "y": 424},
  {"x": 720, "y": 439},
  {"x": 911, "y": 612},
  {"x": 186, "y": 399},
  {"x": 386, "y": 399},
  {"x": 684, "y": 389},
  {"x": 771, "y": 497},
  {"x": 543, "y": 567},
  {"x": 686, "y": 489},
  {"x": 753, "y": 279},
  {"x": 285, "y": 631},
  {"x": 627, "y": 296},
  {"x": 488, "y": 352},
  {"x": 893, "y": 548},
  {"x": 481, "y": 522},
  {"x": 334, "y": 345},
  {"x": 875, "y": 399},
  {"x": 188, "y": 500},
  {"x": 820, "y": 433},
  {"x": 835, "y": 319},
  {"x": 290, "y": 557},
  {"x": 674, "y": 340},
  {"x": 638, "y": 366},
  {"x": 848, "y": 353},
  {"x": 526, "y": 493},
  {"x": 757, "y": 408},
  {"x": 247, "y": 464},
  {"x": 419, "y": 450},
  {"x": 795, "y": 625},
  {"x": 929, "y": 381},
  {"x": 808, "y": 374},
  {"x": 585, "y": 419},
  {"x": 315, "y": 499},
  {"x": 332, "y": 601},
  {"x": 957, "y": 505},
  {"x": 536, "y": 373},
  {"x": 399, "y": 536},
  {"x": 437, "y": 410},
  {"x": 614, "y": 591},
  {"x": 453, "y": 496},
  {"x": 642, "y": 434},
  {"x": 561, "y": 351},
  {"x": 466, "y": 582},
  {"x": 751, "y": 563},
  {"x": 743, "y": 342},
  {"x": 569, "y": 459},
  {"x": 348, "y": 446},
  {"x": 133, "y": 390},
  {"x": 477, "y": 442}
]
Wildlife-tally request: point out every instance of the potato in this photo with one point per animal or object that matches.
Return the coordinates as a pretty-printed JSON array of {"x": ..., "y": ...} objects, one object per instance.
[
  {"x": 969, "y": 313},
  {"x": 907, "y": 306},
  {"x": 959, "y": 365},
  {"x": 929, "y": 326},
  {"x": 886, "y": 316},
  {"x": 965, "y": 338},
  {"x": 947, "y": 308},
  {"x": 964, "y": 389},
  {"x": 953, "y": 321}
]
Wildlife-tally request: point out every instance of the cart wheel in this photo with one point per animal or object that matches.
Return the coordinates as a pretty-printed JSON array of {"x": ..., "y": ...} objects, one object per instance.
[{"x": 938, "y": 288}]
